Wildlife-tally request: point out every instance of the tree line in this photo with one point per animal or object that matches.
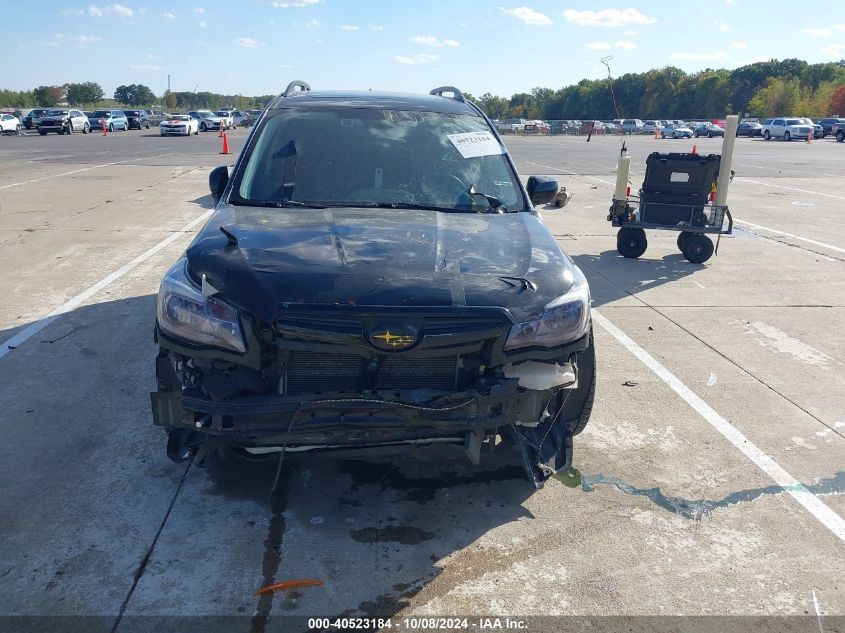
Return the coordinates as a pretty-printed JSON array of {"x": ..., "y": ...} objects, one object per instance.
[{"x": 762, "y": 89}]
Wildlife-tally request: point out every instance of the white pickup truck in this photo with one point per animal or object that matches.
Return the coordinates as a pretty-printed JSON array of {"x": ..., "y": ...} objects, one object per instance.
[
  {"x": 786, "y": 128},
  {"x": 512, "y": 126}
]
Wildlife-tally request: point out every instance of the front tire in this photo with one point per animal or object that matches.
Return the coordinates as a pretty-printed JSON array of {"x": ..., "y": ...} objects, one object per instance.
[
  {"x": 578, "y": 404},
  {"x": 86, "y": 128},
  {"x": 698, "y": 248},
  {"x": 767, "y": 136},
  {"x": 111, "y": 127},
  {"x": 840, "y": 136},
  {"x": 631, "y": 243},
  {"x": 42, "y": 132},
  {"x": 787, "y": 136},
  {"x": 203, "y": 127}
]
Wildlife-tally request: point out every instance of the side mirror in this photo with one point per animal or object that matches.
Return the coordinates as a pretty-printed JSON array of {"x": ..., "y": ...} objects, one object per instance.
[
  {"x": 217, "y": 181},
  {"x": 542, "y": 189}
]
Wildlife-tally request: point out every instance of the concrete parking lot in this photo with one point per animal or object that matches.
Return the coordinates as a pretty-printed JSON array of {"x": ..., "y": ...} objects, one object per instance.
[{"x": 710, "y": 481}]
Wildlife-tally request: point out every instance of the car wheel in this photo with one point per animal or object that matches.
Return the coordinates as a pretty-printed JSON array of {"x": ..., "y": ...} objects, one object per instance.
[
  {"x": 840, "y": 136},
  {"x": 111, "y": 127},
  {"x": 696, "y": 135},
  {"x": 682, "y": 239},
  {"x": 69, "y": 129},
  {"x": 698, "y": 248},
  {"x": 28, "y": 127},
  {"x": 709, "y": 135},
  {"x": 42, "y": 132},
  {"x": 662, "y": 135},
  {"x": 767, "y": 136},
  {"x": 203, "y": 128},
  {"x": 631, "y": 243},
  {"x": 18, "y": 128},
  {"x": 787, "y": 136}
]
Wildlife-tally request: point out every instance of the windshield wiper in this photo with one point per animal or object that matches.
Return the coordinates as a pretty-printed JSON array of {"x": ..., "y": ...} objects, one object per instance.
[
  {"x": 276, "y": 204},
  {"x": 405, "y": 205}
]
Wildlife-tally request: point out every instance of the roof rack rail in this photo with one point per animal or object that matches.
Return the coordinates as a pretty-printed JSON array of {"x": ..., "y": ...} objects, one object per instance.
[
  {"x": 457, "y": 94},
  {"x": 292, "y": 88}
]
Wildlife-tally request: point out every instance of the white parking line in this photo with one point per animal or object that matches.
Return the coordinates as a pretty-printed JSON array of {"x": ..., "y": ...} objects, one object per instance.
[
  {"x": 33, "y": 328},
  {"x": 765, "y": 184},
  {"x": 797, "y": 237},
  {"x": 788, "y": 169},
  {"x": 78, "y": 171},
  {"x": 795, "y": 488}
]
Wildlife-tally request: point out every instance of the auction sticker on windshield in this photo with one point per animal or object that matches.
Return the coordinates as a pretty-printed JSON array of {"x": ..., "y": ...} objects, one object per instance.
[{"x": 474, "y": 144}]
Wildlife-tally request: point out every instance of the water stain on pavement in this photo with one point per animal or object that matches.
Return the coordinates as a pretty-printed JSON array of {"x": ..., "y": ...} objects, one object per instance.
[
  {"x": 694, "y": 509},
  {"x": 404, "y": 534}
]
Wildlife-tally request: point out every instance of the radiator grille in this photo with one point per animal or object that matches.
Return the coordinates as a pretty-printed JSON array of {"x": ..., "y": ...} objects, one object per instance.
[{"x": 308, "y": 372}]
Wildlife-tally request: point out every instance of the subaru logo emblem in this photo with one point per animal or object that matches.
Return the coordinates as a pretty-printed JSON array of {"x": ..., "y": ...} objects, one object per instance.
[{"x": 393, "y": 338}]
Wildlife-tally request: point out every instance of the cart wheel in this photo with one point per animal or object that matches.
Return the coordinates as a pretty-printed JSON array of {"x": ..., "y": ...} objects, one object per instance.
[
  {"x": 682, "y": 238},
  {"x": 631, "y": 242},
  {"x": 698, "y": 248}
]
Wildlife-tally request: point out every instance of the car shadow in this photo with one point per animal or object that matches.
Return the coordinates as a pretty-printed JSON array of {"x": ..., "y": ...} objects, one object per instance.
[{"x": 380, "y": 528}]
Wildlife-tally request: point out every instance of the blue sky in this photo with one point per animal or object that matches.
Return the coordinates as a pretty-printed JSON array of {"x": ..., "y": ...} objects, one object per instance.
[{"x": 256, "y": 46}]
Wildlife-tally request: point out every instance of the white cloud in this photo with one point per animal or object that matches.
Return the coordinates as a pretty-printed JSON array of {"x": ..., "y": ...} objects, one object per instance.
[
  {"x": 739, "y": 45},
  {"x": 246, "y": 42},
  {"x": 816, "y": 32},
  {"x": 419, "y": 58},
  {"x": 598, "y": 46},
  {"x": 85, "y": 40},
  {"x": 153, "y": 57},
  {"x": 699, "y": 57},
  {"x": 376, "y": 27},
  {"x": 835, "y": 50},
  {"x": 313, "y": 24},
  {"x": 724, "y": 28},
  {"x": 607, "y": 17},
  {"x": 528, "y": 15},
  {"x": 298, "y": 4},
  {"x": 430, "y": 40},
  {"x": 348, "y": 27},
  {"x": 630, "y": 32},
  {"x": 73, "y": 12},
  {"x": 115, "y": 9},
  {"x": 56, "y": 41},
  {"x": 628, "y": 46},
  {"x": 202, "y": 24},
  {"x": 839, "y": 27},
  {"x": 168, "y": 15},
  {"x": 199, "y": 10},
  {"x": 152, "y": 67}
]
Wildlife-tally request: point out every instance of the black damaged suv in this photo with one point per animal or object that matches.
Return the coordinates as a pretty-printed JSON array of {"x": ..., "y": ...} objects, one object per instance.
[{"x": 374, "y": 274}]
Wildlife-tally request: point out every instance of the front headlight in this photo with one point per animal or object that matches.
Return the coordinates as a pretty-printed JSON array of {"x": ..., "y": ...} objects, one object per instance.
[
  {"x": 562, "y": 320},
  {"x": 185, "y": 313}
]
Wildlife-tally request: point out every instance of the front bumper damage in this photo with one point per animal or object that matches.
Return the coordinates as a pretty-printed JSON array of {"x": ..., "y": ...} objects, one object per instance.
[{"x": 211, "y": 400}]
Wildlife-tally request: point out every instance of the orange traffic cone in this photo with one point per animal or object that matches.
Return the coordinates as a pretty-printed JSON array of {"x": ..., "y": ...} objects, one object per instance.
[
  {"x": 693, "y": 149},
  {"x": 225, "y": 149},
  {"x": 220, "y": 135},
  {"x": 810, "y": 136},
  {"x": 103, "y": 126},
  {"x": 656, "y": 133}
]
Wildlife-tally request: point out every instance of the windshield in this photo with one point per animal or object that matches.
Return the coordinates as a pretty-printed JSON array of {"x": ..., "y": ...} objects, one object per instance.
[
  {"x": 223, "y": 113},
  {"x": 56, "y": 112},
  {"x": 131, "y": 113},
  {"x": 792, "y": 122},
  {"x": 100, "y": 114},
  {"x": 205, "y": 114},
  {"x": 370, "y": 157}
]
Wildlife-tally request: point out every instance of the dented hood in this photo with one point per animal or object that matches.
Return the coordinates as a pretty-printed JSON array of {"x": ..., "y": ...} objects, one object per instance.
[{"x": 379, "y": 257}]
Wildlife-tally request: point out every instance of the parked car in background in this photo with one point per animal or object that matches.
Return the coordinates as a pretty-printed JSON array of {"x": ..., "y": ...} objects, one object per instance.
[
  {"x": 675, "y": 130},
  {"x": 652, "y": 125},
  {"x": 137, "y": 119},
  {"x": 155, "y": 115},
  {"x": 817, "y": 127},
  {"x": 63, "y": 122},
  {"x": 226, "y": 118},
  {"x": 10, "y": 123},
  {"x": 537, "y": 127},
  {"x": 207, "y": 120},
  {"x": 115, "y": 120},
  {"x": 838, "y": 130},
  {"x": 32, "y": 119},
  {"x": 708, "y": 129},
  {"x": 749, "y": 128},
  {"x": 240, "y": 118},
  {"x": 632, "y": 126},
  {"x": 828, "y": 123},
  {"x": 179, "y": 125},
  {"x": 512, "y": 126},
  {"x": 610, "y": 127},
  {"x": 786, "y": 128}
]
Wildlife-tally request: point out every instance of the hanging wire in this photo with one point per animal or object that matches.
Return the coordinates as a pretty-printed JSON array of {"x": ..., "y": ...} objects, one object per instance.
[{"x": 606, "y": 62}]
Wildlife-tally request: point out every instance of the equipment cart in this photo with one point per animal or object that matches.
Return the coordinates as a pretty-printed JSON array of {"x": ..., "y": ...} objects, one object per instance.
[{"x": 677, "y": 195}]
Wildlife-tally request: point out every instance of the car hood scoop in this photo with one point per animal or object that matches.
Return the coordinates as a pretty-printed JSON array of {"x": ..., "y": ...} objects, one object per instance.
[{"x": 378, "y": 257}]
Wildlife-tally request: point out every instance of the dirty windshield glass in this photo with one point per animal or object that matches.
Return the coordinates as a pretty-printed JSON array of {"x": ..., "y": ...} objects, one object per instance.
[{"x": 374, "y": 157}]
